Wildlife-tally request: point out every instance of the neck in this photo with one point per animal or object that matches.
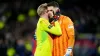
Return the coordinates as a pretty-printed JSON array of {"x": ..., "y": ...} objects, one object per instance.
[{"x": 44, "y": 16}]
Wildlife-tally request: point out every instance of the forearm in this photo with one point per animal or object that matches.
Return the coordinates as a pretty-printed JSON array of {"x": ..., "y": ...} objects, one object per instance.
[
  {"x": 56, "y": 30},
  {"x": 70, "y": 45},
  {"x": 71, "y": 41}
]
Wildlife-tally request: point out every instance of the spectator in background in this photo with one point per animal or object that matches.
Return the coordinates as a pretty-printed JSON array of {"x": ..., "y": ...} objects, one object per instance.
[
  {"x": 3, "y": 46},
  {"x": 20, "y": 47},
  {"x": 28, "y": 44},
  {"x": 34, "y": 43}
]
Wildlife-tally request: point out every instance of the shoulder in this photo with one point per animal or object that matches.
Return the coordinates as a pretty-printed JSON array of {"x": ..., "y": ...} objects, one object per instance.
[
  {"x": 66, "y": 19},
  {"x": 43, "y": 21}
]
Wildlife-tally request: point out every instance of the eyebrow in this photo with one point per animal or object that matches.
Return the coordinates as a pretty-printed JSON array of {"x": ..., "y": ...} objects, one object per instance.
[{"x": 49, "y": 10}]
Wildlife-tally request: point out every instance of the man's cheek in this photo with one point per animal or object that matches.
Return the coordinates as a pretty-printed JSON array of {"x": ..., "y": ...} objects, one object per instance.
[{"x": 51, "y": 14}]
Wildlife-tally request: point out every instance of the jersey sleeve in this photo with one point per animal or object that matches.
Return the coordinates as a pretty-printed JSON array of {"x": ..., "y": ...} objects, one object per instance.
[
  {"x": 70, "y": 31},
  {"x": 56, "y": 30}
]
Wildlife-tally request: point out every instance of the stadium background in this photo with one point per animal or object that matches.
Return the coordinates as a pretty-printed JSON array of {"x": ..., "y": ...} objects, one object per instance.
[{"x": 18, "y": 20}]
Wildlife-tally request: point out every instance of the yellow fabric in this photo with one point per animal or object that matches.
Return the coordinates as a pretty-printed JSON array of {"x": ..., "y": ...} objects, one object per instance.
[{"x": 44, "y": 45}]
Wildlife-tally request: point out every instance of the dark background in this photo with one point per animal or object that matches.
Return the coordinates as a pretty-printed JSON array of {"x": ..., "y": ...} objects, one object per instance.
[{"x": 18, "y": 19}]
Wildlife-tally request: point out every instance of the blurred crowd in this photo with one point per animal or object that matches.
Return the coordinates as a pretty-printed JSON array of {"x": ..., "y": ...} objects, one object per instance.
[{"x": 18, "y": 21}]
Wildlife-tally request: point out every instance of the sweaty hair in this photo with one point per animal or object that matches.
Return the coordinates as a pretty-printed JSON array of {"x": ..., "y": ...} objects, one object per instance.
[
  {"x": 41, "y": 9},
  {"x": 54, "y": 4}
]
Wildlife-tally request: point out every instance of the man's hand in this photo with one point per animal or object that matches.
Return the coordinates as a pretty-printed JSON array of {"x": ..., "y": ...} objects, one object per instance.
[
  {"x": 56, "y": 17},
  {"x": 68, "y": 51}
]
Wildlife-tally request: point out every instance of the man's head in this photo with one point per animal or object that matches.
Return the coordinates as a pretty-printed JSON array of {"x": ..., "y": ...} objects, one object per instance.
[
  {"x": 42, "y": 9},
  {"x": 54, "y": 6}
]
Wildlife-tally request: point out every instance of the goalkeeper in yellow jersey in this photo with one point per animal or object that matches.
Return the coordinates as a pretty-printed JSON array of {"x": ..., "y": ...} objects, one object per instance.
[{"x": 44, "y": 28}]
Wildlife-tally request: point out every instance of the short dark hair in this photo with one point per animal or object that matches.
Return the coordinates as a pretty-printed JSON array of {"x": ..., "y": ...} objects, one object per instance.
[{"x": 53, "y": 3}]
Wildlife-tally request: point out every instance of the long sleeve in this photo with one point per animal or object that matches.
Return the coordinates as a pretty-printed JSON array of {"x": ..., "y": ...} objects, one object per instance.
[
  {"x": 56, "y": 30},
  {"x": 70, "y": 32}
]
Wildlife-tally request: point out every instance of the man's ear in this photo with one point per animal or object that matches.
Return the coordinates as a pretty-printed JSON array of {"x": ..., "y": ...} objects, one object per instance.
[{"x": 57, "y": 10}]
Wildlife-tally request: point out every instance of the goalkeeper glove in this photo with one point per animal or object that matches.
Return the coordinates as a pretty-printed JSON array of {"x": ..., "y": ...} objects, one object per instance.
[
  {"x": 68, "y": 51},
  {"x": 55, "y": 17}
]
